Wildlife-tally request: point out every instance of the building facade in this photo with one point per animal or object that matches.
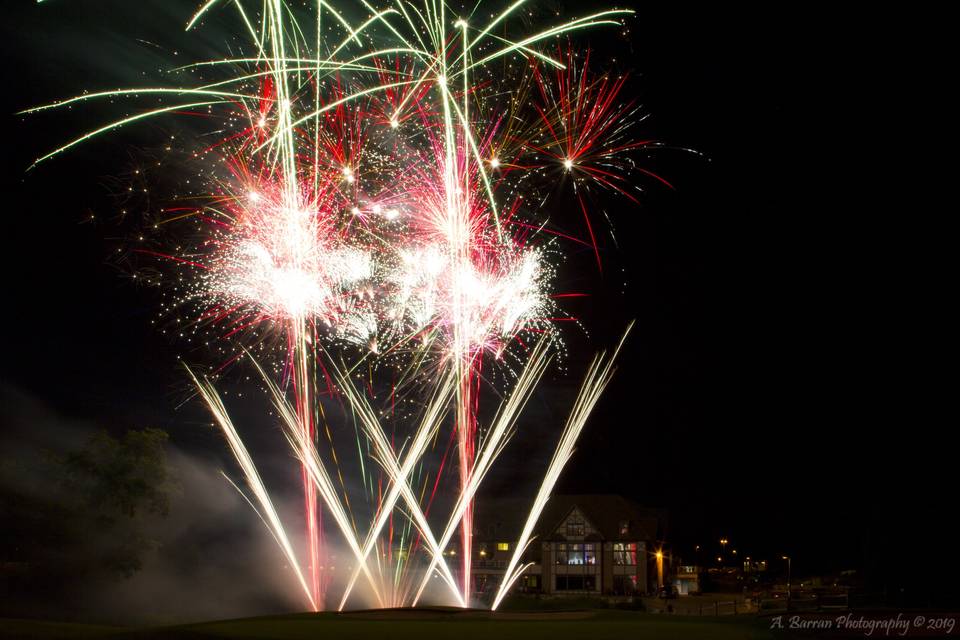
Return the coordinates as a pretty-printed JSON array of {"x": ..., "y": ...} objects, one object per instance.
[{"x": 587, "y": 545}]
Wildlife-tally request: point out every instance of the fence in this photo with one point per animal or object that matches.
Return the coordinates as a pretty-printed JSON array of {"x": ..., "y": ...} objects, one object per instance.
[
  {"x": 804, "y": 601},
  {"x": 705, "y": 606},
  {"x": 698, "y": 606},
  {"x": 724, "y": 608}
]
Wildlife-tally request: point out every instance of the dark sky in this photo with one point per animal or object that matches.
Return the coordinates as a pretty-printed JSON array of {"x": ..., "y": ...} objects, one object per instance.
[{"x": 750, "y": 401}]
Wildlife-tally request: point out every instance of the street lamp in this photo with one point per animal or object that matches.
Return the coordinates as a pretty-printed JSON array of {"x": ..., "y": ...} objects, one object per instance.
[
  {"x": 789, "y": 563},
  {"x": 659, "y": 569}
]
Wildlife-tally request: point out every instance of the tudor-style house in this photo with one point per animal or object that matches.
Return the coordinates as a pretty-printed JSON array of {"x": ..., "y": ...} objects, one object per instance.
[{"x": 593, "y": 544}]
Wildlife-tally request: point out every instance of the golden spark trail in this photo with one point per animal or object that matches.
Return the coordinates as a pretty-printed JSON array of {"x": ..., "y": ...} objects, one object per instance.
[
  {"x": 493, "y": 444},
  {"x": 354, "y": 193},
  {"x": 398, "y": 474},
  {"x": 596, "y": 380},
  {"x": 240, "y": 453}
]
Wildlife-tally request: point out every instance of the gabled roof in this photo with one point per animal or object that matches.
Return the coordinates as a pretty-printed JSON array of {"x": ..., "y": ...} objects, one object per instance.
[
  {"x": 504, "y": 518},
  {"x": 604, "y": 511}
]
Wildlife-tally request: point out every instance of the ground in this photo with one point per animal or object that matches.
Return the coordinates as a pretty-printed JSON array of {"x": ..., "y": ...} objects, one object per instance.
[
  {"x": 424, "y": 625},
  {"x": 724, "y": 604}
]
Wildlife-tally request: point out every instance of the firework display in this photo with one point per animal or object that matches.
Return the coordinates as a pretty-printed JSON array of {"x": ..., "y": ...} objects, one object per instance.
[{"x": 375, "y": 212}]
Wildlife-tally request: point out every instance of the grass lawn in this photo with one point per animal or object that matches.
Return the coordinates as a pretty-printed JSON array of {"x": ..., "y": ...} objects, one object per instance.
[
  {"x": 41, "y": 629},
  {"x": 425, "y": 625}
]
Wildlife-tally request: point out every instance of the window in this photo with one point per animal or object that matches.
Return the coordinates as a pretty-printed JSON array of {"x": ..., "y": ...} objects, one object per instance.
[
  {"x": 624, "y": 553},
  {"x": 503, "y": 546},
  {"x": 624, "y": 585},
  {"x": 530, "y": 583},
  {"x": 576, "y": 554},
  {"x": 576, "y": 583},
  {"x": 589, "y": 555},
  {"x": 575, "y": 526},
  {"x": 480, "y": 581}
]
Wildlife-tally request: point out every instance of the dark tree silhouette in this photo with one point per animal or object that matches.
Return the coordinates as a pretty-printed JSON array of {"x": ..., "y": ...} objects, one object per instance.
[{"x": 80, "y": 517}]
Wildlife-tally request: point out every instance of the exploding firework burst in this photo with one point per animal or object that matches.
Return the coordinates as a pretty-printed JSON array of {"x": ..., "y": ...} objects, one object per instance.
[{"x": 373, "y": 197}]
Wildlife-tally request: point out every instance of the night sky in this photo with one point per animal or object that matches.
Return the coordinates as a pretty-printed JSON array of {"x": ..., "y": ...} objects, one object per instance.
[{"x": 752, "y": 400}]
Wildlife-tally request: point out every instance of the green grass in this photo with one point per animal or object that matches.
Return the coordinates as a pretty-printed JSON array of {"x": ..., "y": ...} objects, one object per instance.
[
  {"x": 520, "y": 602},
  {"x": 42, "y": 630},
  {"x": 424, "y": 625}
]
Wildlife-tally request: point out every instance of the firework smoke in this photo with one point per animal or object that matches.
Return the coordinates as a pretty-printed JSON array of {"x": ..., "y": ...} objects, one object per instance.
[{"x": 376, "y": 195}]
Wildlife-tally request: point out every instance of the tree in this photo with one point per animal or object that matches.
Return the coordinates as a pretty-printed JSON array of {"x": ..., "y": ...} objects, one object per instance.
[
  {"x": 81, "y": 516},
  {"x": 116, "y": 484}
]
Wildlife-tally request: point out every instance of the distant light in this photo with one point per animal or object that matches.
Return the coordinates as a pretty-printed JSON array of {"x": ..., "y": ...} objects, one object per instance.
[
  {"x": 376, "y": 209},
  {"x": 460, "y": 24},
  {"x": 495, "y": 163},
  {"x": 394, "y": 123},
  {"x": 441, "y": 79},
  {"x": 355, "y": 211},
  {"x": 568, "y": 164},
  {"x": 392, "y": 214}
]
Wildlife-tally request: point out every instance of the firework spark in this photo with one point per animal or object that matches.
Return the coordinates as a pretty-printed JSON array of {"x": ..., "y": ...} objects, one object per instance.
[
  {"x": 370, "y": 195},
  {"x": 596, "y": 380},
  {"x": 267, "y": 511}
]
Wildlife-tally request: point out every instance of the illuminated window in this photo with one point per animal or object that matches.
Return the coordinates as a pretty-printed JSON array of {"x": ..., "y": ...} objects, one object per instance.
[
  {"x": 503, "y": 546},
  {"x": 576, "y": 554},
  {"x": 624, "y": 553},
  {"x": 575, "y": 526},
  {"x": 530, "y": 582}
]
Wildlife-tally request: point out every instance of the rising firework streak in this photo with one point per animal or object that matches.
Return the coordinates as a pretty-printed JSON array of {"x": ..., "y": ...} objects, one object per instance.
[
  {"x": 378, "y": 193},
  {"x": 598, "y": 377}
]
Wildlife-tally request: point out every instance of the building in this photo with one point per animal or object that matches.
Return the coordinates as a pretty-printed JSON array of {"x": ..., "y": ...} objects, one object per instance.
[
  {"x": 687, "y": 579},
  {"x": 593, "y": 544}
]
